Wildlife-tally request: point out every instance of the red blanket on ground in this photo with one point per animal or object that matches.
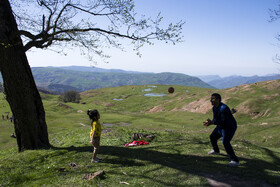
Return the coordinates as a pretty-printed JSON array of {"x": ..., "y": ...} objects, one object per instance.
[{"x": 135, "y": 143}]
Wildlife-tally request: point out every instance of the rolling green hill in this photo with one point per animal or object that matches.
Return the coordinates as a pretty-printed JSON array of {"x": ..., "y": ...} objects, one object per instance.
[
  {"x": 177, "y": 157},
  {"x": 60, "y": 80}
]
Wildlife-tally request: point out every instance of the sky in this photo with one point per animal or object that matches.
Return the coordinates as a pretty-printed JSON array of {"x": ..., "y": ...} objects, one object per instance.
[{"x": 221, "y": 37}]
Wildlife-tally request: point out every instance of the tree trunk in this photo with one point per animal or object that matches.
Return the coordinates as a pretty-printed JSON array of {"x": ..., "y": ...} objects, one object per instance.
[{"x": 19, "y": 85}]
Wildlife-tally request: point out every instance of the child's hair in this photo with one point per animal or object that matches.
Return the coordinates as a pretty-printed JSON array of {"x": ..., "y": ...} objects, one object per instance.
[{"x": 93, "y": 114}]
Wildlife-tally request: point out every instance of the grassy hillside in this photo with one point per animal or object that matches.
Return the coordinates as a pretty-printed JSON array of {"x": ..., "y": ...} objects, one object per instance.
[
  {"x": 178, "y": 155},
  {"x": 52, "y": 78}
]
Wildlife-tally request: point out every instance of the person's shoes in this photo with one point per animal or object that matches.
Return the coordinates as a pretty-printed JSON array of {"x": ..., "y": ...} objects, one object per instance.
[
  {"x": 95, "y": 160},
  {"x": 233, "y": 163},
  {"x": 212, "y": 152},
  {"x": 98, "y": 158}
]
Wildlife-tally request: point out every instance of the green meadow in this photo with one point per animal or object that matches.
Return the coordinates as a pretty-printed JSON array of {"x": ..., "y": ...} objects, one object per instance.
[{"x": 176, "y": 157}]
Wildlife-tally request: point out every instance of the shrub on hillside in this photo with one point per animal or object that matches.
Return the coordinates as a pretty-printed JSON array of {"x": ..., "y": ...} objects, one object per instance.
[{"x": 70, "y": 96}]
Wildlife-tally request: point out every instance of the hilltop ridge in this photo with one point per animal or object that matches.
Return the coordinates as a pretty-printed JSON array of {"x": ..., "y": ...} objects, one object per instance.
[
  {"x": 235, "y": 80},
  {"x": 60, "y": 79}
]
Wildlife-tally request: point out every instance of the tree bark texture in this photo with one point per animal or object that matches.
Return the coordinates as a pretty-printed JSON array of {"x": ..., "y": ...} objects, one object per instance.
[{"x": 19, "y": 85}]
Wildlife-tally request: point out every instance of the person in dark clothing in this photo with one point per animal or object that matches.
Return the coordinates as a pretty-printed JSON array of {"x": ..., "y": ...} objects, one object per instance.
[{"x": 225, "y": 127}]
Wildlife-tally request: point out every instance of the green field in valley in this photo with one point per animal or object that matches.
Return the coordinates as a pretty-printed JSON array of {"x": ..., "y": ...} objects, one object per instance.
[{"x": 176, "y": 157}]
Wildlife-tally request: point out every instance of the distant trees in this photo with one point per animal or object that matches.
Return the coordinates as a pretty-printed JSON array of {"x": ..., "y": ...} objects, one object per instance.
[
  {"x": 90, "y": 25},
  {"x": 70, "y": 96}
]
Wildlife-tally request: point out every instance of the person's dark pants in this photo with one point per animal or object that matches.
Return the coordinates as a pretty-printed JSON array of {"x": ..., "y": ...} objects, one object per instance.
[{"x": 227, "y": 135}]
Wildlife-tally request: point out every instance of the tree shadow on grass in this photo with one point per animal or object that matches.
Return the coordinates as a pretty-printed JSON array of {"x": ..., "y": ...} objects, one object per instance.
[{"x": 251, "y": 172}]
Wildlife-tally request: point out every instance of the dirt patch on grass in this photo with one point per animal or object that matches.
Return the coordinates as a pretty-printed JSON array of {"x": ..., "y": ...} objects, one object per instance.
[
  {"x": 109, "y": 104},
  {"x": 246, "y": 87},
  {"x": 244, "y": 108},
  {"x": 267, "y": 113},
  {"x": 64, "y": 106},
  {"x": 232, "y": 90},
  {"x": 181, "y": 98},
  {"x": 270, "y": 85},
  {"x": 156, "y": 109},
  {"x": 270, "y": 97},
  {"x": 90, "y": 93},
  {"x": 200, "y": 106}
]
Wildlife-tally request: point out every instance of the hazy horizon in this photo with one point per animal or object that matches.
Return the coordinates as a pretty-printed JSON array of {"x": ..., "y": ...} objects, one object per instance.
[{"x": 158, "y": 72}]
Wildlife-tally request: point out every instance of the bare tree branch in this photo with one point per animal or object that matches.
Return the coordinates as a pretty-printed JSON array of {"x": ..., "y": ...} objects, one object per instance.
[
  {"x": 50, "y": 15},
  {"x": 92, "y": 13},
  {"x": 93, "y": 24}
]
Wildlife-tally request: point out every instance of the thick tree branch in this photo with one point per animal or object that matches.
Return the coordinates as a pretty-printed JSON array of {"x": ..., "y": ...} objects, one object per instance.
[
  {"x": 27, "y": 34},
  {"x": 132, "y": 37},
  {"x": 44, "y": 43}
]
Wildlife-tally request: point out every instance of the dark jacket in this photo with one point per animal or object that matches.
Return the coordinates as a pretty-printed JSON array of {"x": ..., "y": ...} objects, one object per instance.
[{"x": 223, "y": 117}]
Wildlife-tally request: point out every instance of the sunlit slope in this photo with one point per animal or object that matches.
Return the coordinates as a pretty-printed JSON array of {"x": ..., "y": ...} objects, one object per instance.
[
  {"x": 176, "y": 157},
  {"x": 255, "y": 101},
  {"x": 257, "y": 105}
]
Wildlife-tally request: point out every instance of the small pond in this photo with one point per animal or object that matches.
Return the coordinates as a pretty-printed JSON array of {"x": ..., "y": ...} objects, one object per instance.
[
  {"x": 154, "y": 95},
  {"x": 117, "y": 99},
  {"x": 147, "y": 90},
  {"x": 108, "y": 124}
]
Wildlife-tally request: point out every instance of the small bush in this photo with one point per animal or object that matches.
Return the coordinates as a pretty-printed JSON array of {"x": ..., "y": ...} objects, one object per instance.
[{"x": 70, "y": 96}]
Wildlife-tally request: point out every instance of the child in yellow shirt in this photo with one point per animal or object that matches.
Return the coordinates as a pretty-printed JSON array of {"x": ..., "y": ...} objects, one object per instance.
[{"x": 95, "y": 133}]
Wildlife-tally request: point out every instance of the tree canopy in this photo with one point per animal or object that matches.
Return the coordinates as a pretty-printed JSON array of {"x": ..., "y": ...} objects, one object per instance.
[{"x": 90, "y": 25}]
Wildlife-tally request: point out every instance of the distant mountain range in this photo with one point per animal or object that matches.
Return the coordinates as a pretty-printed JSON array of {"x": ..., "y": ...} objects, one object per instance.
[
  {"x": 80, "y": 78},
  {"x": 95, "y": 69},
  {"x": 61, "y": 79},
  {"x": 232, "y": 81}
]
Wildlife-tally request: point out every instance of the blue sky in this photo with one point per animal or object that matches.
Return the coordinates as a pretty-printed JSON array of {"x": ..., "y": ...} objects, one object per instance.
[{"x": 221, "y": 37}]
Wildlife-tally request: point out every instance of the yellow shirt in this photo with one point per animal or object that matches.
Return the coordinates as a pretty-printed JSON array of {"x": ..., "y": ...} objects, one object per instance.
[{"x": 95, "y": 126}]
